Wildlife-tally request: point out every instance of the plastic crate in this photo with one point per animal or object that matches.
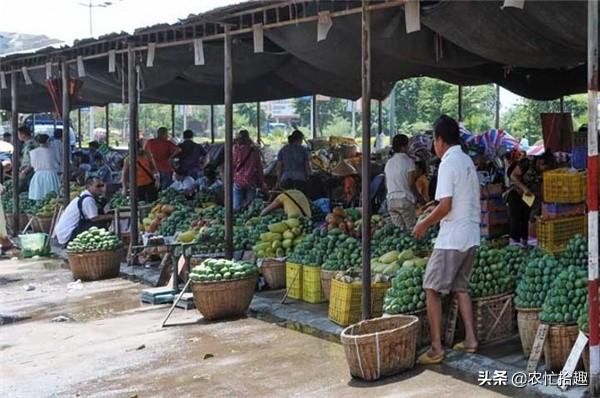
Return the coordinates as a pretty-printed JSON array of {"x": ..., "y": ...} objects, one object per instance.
[
  {"x": 565, "y": 186},
  {"x": 557, "y": 210},
  {"x": 553, "y": 235},
  {"x": 345, "y": 301},
  {"x": 579, "y": 158},
  {"x": 293, "y": 280},
  {"x": 312, "y": 291}
]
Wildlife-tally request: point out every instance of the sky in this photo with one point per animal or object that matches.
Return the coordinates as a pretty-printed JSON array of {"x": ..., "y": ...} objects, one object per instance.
[{"x": 33, "y": 17}]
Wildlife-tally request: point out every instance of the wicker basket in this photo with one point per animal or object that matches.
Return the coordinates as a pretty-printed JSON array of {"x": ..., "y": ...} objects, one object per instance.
[
  {"x": 381, "y": 347},
  {"x": 312, "y": 291},
  {"x": 41, "y": 224},
  {"x": 493, "y": 319},
  {"x": 217, "y": 300},
  {"x": 326, "y": 277},
  {"x": 559, "y": 342},
  {"x": 93, "y": 266},
  {"x": 274, "y": 273},
  {"x": 528, "y": 321}
]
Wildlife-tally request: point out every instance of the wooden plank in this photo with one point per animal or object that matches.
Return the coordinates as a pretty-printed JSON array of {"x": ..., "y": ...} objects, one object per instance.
[
  {"x": 538, "y": 347},
  {"x": 573, "y": 358}
]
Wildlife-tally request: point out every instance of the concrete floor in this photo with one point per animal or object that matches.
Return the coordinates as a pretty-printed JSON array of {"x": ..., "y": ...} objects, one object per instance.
[{"x": 113, "y": 346}]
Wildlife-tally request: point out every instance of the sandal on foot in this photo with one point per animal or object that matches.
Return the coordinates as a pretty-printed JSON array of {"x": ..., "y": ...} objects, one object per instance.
[
  {"x": 461, "y": 347},
  {"x": 425, "y": 359}
]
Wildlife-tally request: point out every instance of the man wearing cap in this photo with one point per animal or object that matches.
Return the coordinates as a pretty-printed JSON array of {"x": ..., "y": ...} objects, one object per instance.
[{"x": 400, "y": 179}]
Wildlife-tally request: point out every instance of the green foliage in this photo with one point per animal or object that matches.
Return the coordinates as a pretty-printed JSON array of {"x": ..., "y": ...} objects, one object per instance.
[
  {"x": 523, "y": 119},
  {"x": 338, "y": 126}
]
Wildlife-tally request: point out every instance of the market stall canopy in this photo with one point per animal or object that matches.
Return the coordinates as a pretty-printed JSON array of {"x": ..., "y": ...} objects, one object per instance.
[{"x": 538, "y": 52}]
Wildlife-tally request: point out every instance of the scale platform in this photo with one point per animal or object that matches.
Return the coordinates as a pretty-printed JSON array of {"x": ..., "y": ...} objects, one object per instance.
[{"x": 165, "y": 295}]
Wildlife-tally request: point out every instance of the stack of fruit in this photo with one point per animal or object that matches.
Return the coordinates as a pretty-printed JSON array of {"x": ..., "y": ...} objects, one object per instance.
[
  {"x": 406, "y": 294},
  {"x": 342, "y": 252},
  {"x": 94, "y": 239},
  {"x": 171, "y": 196},
  {"x": 119, "y": 201},
  {"x": 566, "y": 300},
  {"x": 576, "y": 253},
  {"x": 342, "y": 219},
  {"x": 311, "y": 250},
  {"x": 491, "y": 275},
  {"x": 280, "y": 240},
  {"x": 391, "y": 238},
  {"x": 212, "y": 270},
  {"x": 158, "y": 213},
  {"x": 353, "y": 275},
  {"x": 179, "y": 220},
  {"x": 389, "y": 264},
  {"x": 515, "y": 259},
  {"x": 46, "y": 207},
  {"x": 536, "y": 281}
]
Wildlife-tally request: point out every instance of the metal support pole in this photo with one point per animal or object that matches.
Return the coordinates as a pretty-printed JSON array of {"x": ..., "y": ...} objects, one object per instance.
[
  {"x": 353, "y": 122},
  {"x": 228, "y": 84},
  {"x": 107, "y": 122},
  {"x": 562, "y": 104},
  {"x": 366, "y": 157},
  {"x": 314, "y": 117},
  {"x": 133, "y": 138},
  {"x": 79, "y": 127},
  {"x": 379, "y": 118},
  {"x": 497, "y": 121},
  {"x": 460, "y": 108},
  {"x": 173, "y": 120},
  {"x": 212, "y": 124},
  {"x": 33, "y": 123},
  {"x": 592, "y": 198},
  {"x": 66, "y": 141},
  {"x": 258, "y": 123},
  {"x": 16, "y": 161}
]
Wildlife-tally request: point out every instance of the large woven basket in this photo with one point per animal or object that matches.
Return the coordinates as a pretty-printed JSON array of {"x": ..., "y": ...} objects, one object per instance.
[
  {"x": 92, "y": 266},
  {"x": 381, "y": 347},
  {"x": 216, "y": 300},
  {"x": 326, "y": 277},
  {"x": 528, "y": 321},
  {"x": 559, "y": 343},
  {"x": 274, "y": 273}
]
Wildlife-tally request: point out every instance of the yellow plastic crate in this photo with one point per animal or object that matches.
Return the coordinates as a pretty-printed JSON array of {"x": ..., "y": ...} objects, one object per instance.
[
  {"x": 345, "y": 301},
  {"x": 554, "y": 234},
  {"x": 293, "y": 278},
  {"x": 565, "y": 186},
  {"x": 312, "y": 291}
]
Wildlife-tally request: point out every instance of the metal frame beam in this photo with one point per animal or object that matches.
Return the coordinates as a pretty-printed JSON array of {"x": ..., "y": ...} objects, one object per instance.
[
  {"x": 16, "y": 161},
  {"x": 366, "y": 157},
  {"x": 66, "y": 138},
  {"x": 132, "y": 96},
  {"x": 228, "y": 95}
]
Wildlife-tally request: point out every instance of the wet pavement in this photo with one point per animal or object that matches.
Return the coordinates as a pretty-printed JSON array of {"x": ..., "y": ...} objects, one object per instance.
[{"x": 110, "y": 345}]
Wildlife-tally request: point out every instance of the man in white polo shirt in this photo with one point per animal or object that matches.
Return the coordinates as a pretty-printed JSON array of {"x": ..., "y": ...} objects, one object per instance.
[
  {"x": 451, "y": 262},
  {"x": 82, "y": 213}
]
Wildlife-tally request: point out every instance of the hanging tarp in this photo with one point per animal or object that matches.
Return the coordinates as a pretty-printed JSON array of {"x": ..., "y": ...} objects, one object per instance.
[{"x": 538, "y": 52}]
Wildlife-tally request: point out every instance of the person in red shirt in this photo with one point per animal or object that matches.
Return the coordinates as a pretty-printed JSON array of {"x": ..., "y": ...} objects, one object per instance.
[
  {"x": 247, "y": 170},
  {"x": 163, "y": 150}
]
